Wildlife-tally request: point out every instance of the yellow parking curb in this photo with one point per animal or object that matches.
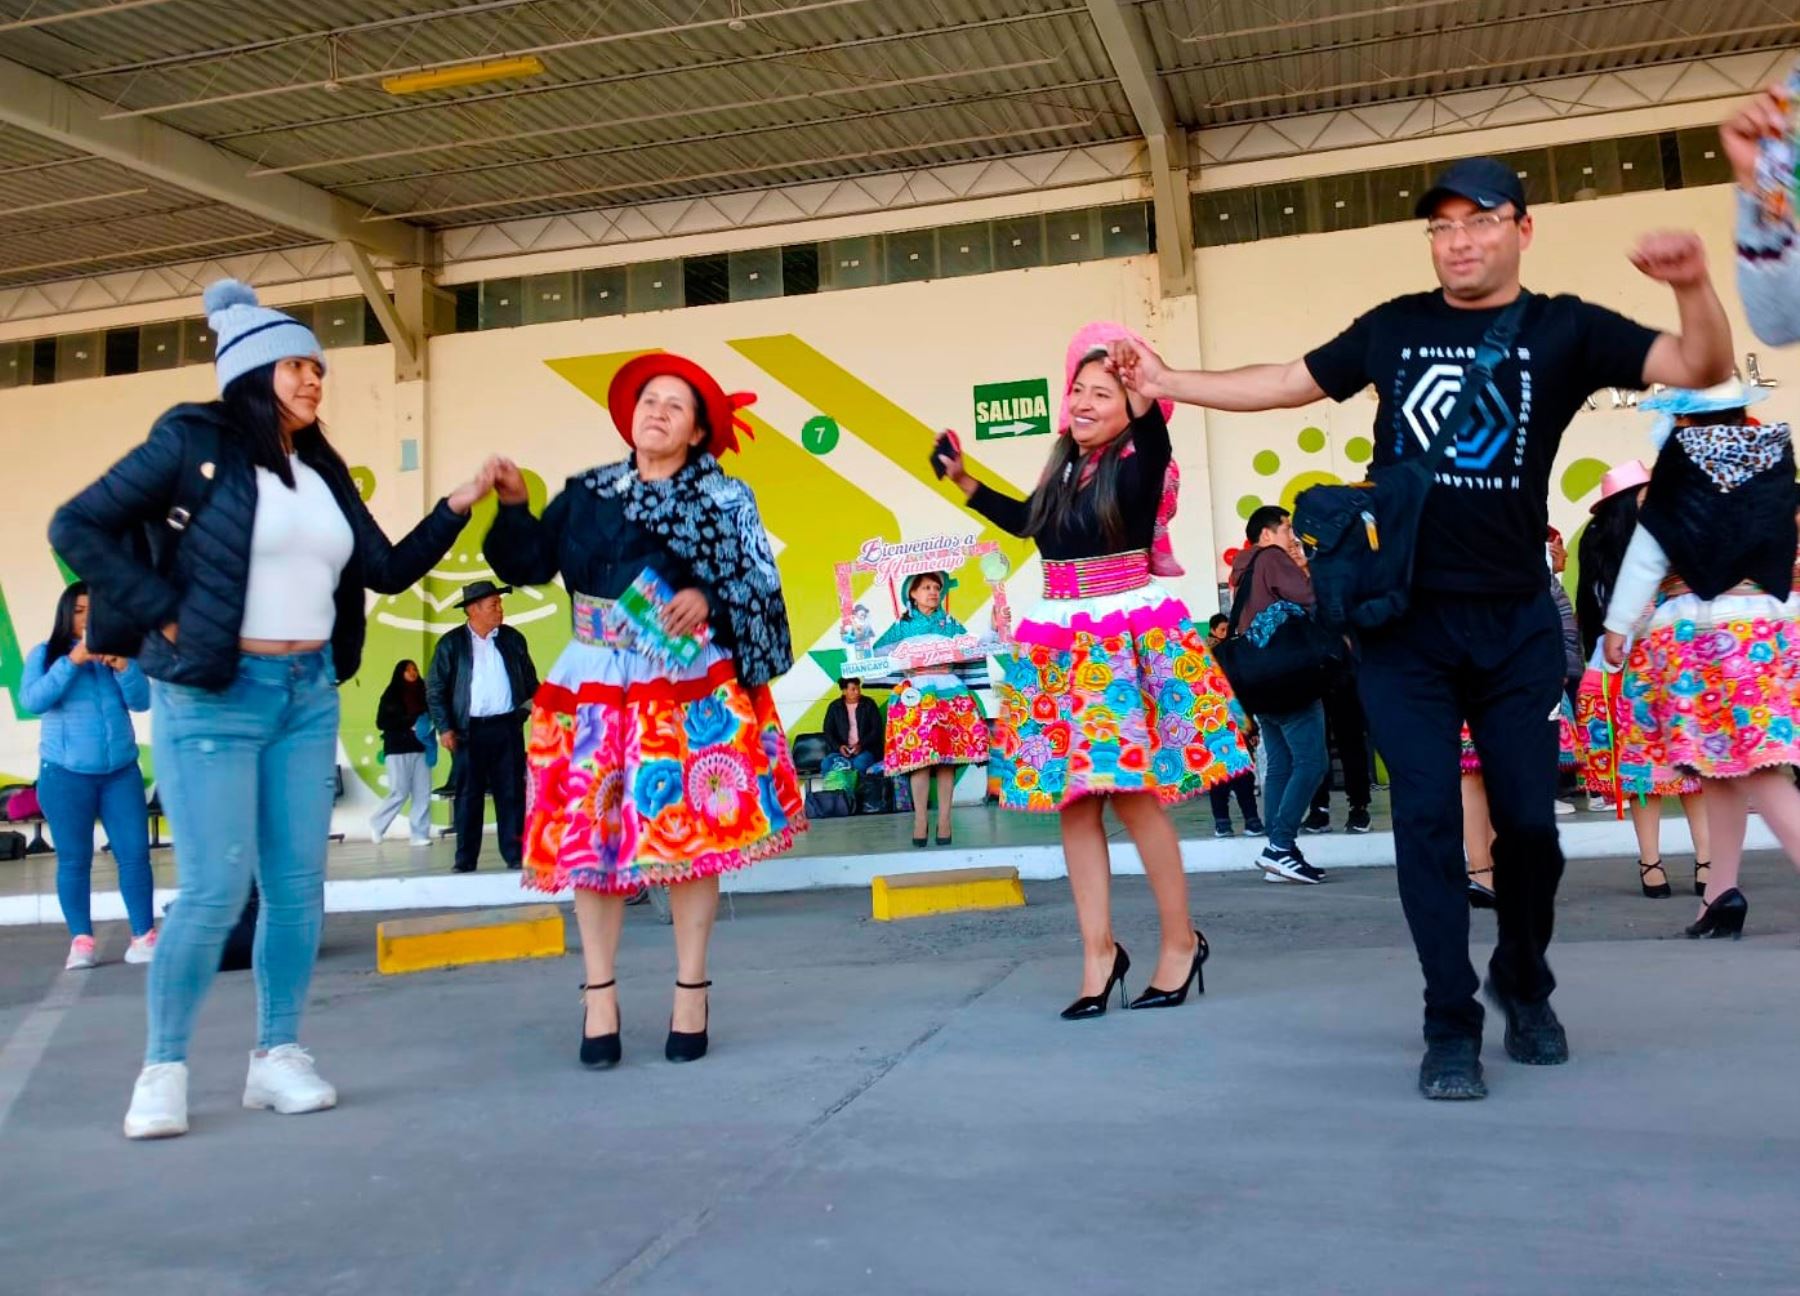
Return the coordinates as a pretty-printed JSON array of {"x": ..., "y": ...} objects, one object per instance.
[
  {"x": 913, "y": 895},
  {"x": 469, "y": 936}
]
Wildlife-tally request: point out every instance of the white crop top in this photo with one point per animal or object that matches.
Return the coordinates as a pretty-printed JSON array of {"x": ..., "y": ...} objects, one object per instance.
[{"x": 299, "y": 548}]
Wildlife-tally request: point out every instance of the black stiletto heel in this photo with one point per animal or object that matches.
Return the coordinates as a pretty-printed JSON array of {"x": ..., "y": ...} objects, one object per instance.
[
  {"x": 1154, "y": 998},
  {"x": 1095, "y": 1005},
  {"x": 688, "y": 1046},
  {"x": 1662, "y": 890},
  {"x": 598, "y": 1052},
  {"x": 1723, "y": 917}
]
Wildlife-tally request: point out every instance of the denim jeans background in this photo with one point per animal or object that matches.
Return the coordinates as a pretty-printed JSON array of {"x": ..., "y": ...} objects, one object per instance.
[
  {"x": 72, "y": 804},
  {"x": 1295, "y": 743}
]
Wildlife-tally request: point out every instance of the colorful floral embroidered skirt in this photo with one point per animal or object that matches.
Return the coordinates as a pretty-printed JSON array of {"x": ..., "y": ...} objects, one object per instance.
[
  {"x": 1117, "y": 693},
  {"x": 638, "y": 774},
  {"x": 1628, "y": 756},
  {"x": 933, "y": 720},
  {"x": 1566, "y": 755},
  {"x": 1721, "y": 683}
]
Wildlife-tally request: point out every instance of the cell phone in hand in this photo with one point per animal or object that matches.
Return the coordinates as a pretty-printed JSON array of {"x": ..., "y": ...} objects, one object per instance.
[{"x": 947, "y": 444}]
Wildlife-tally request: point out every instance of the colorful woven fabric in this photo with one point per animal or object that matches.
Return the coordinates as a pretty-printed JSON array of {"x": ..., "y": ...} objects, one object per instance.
[
  {"x": 1113, "y": 694},
  {"x": 638, "y": 777},
  {"x": 1629, "y": 757},
  {"x": 1724, "y": 695},
  {"x": 933, "y": 721}
]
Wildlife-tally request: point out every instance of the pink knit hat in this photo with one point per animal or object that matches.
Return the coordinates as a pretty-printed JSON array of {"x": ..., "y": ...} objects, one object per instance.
[
  {"x": 1627, "y": 476},
  {"x": 1095, "y": 337}
]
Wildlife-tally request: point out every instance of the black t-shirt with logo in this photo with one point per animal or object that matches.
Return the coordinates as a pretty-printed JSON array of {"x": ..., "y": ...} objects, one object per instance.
[{"x": 1485, "y": 518}]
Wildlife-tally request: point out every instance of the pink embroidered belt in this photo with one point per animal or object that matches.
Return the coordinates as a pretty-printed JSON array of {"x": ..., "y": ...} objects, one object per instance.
[
  {"x": 590, "y": 623},
  {"x": 1091, "y": 577}
]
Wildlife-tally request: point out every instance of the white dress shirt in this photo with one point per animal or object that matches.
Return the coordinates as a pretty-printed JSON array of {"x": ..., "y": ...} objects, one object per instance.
[{"x": 490, "y": 691}]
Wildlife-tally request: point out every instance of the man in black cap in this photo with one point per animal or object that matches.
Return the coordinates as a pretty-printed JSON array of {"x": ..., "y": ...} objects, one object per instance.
[
  {"x": 1482, "y": 640},
  {"x": 479, "y": 690}
]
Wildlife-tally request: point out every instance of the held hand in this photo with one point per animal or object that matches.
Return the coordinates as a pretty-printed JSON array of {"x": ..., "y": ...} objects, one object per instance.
[
  {"x": 451, "y": 741},
  {"x": 1764, "y": 117},
  {"x": 948, "y": 456},
  {"x": 1138, "y": 367},
  {"x": 686, "y": 613},
  {"x": 1675, "y": 257},
  {"x": 172, "y": 632},
  {"x": 117, "y": 663},
  {"x": 472, "y": 492},
  {"x": 509, "y": 482},
  {"x": 79, "y": 654},
  {"x": 845, "y": 751},
  {"x": 1615, "y": 650}
]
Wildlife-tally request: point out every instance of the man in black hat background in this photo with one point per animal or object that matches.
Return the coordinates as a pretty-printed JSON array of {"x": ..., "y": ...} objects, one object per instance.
[
  {"x": 479, "y": 690},
  {"x": 1482, "y": 640}
]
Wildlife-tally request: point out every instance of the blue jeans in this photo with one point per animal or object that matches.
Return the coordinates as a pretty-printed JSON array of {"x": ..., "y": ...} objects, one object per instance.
[
  {"x": 862, "y": 762},
  {"x": 72, "y": 804},
  {"x": 1296, "y": 747},
  {"x": 247, "y": 776}
]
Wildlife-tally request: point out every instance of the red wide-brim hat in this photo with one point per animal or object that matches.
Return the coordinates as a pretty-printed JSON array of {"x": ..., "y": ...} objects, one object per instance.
[{"x": 722, "y": 410}]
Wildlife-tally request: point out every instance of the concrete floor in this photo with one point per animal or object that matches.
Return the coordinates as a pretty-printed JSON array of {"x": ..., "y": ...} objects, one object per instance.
[{"x": 897, "y": 1109}]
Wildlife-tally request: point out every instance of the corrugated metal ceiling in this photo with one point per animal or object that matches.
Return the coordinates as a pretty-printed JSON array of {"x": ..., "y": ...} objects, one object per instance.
[{"x": 647, "y": 99}]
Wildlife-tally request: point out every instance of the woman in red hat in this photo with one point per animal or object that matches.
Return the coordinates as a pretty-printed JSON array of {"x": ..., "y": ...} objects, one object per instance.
[{"x": 656, "y": 755}]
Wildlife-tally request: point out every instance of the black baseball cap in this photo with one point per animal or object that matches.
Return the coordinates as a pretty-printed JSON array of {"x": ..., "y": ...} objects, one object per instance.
[{"x": 1486, "y": 182}]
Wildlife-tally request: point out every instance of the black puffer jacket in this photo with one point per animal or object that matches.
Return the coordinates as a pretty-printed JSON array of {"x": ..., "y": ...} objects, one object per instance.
[{"x": 203, "y": 594}]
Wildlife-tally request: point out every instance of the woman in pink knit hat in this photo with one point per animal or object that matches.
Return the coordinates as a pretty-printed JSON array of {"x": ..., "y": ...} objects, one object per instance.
[{"x": 1112, "y": 693}]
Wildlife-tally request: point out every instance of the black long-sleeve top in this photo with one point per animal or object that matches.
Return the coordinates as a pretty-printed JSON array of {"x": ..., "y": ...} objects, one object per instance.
[
  {"x": 599, "y": 552},
  {"x": 1140, "y": 493}
]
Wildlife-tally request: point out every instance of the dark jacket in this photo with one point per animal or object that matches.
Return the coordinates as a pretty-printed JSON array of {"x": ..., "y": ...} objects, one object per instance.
[
  {"x": 397, "y": 723},
  {"x": 1277, "y": 577},
  {"x": 453, "y": 670},
  {"x": 203, "y": 592},
  {"x": 870, "y": 728}
]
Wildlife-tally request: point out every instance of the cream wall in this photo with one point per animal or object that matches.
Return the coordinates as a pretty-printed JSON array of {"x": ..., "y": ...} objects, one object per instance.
[{"x": 891, "y": 365}]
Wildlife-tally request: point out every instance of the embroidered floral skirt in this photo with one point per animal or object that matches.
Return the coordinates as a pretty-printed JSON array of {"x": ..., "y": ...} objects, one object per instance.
[
  {"x": 1116, "y": 693},
  {"x": 1566, "y": 756},
  {"x": 1720, "y": 684},
  {"x": 638, "y": 774},
  {"x": 933, "y": 720},
  {"x": 1628, "y": 756}
]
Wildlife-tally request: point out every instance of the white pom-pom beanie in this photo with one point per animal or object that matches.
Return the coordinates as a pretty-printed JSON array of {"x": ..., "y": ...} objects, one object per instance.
[{"x": 249, "y": 335}]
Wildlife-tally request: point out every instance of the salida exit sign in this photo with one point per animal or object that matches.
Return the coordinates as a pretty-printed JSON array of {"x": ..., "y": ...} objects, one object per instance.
[{"x": 1012, "y": 409}]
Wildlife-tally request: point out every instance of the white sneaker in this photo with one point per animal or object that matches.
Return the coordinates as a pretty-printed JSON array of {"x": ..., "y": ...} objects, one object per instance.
[
  {"x": 81, "y": 954},
  {"x": 285, "y": 1079},
  {"x": 158, "y": 1102},
  {"x": 1564, "y": 808},
  {"x": 374, "y": 835},
  {"x": 1599, "y": 804},
  {"x": 419, "y": 841},
  {"x": 142, "y": 948}
]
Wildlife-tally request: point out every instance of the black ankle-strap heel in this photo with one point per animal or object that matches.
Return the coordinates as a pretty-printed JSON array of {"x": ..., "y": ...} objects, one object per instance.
[
  {"x": 598, "y": 1052},
  {"x": 688, "y": 1046}
]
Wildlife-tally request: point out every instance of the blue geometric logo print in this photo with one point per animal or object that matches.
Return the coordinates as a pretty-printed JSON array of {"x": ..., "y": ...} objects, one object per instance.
[{"x": 1491, "y": 424}]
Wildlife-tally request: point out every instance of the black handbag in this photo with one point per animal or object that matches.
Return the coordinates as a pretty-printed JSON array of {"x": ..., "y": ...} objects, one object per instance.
[
  {"x": 1361, "y": 538},
  {"x": 1284, "y": 660}
]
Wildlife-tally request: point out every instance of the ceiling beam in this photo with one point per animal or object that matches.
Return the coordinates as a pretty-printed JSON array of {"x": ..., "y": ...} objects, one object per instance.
[
  {"x": 47, "y": 108},
  {"x": 1127, "y": 41}
]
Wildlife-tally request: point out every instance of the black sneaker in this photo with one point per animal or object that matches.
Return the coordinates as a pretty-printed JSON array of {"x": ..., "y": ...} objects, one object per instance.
[
  {"x": 1534, "y": 1037},
  {"x": 1288, "y": 866},
  {"x": 1254, "y": 828},
  {"x": 1223, "y": 829},
  {"x": 1358, "y": 822},
  {"x": 1451, "y": 1070},
  {"x": 1319, "y": 821}
]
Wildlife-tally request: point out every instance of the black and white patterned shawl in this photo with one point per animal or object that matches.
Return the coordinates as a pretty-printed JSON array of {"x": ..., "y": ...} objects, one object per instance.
[
  {"x": 710, "y": 522},
  {"x": 1721, "y": 504}
]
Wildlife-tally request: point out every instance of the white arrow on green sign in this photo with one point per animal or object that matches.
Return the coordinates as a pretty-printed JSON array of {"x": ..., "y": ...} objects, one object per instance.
[{"x": 1012, "y": 409}]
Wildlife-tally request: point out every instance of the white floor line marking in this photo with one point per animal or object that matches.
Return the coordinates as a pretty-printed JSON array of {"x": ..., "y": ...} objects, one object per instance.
[{"x": 21, "y": 1054}]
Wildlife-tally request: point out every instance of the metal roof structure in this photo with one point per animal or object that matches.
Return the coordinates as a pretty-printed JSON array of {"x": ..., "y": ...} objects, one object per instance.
[{"x": 141, "y": 133}]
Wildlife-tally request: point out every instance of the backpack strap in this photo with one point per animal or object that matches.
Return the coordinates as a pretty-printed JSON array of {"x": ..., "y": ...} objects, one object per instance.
[
  {"x": 1495, "y": 346},
  {"x": 1238, "y": 601}
]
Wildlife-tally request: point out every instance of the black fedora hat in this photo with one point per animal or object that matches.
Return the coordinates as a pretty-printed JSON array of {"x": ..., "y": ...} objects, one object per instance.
[{"x": 481, "y": 589}]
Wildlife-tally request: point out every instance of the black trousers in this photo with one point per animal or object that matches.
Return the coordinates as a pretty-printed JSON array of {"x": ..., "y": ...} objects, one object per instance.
[
  {"x": 493, "y": 761},
  {"x": 1498, "y": 663},
  {"x": 1244, "y": 788},
  {"x": 1347, "y": 729}
]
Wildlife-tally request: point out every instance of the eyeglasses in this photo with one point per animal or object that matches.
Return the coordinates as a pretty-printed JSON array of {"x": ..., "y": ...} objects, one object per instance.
[{"x": 1480, "y": 225}]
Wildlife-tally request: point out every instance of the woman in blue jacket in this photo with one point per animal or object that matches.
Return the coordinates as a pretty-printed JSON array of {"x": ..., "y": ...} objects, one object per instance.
[{"x": 88, "y": 772}]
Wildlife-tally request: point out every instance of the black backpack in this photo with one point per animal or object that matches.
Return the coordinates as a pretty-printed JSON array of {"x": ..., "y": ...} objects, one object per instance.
[
  {"x": 1361, "y": 538},
  {"x": 1289, "y": 663}
]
